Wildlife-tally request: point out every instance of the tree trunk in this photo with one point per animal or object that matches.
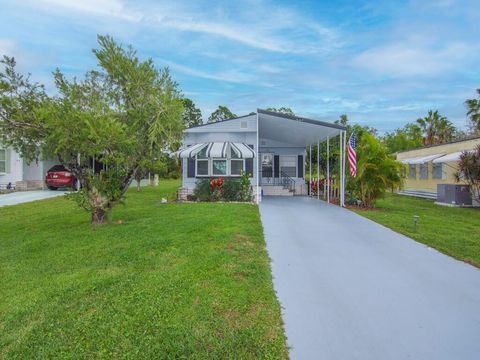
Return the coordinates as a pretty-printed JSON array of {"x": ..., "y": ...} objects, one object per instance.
[
  {"x": 138, "y": 185},
  {"x": 99, "y": 216}
]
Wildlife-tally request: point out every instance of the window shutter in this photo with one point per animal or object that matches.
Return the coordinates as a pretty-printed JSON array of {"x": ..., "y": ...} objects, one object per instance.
[
  {"x": 190, "y": 167},
  {"x": 276, "y": 166},
  {"x": 249, "y": 165},
  {"x": 300, "y": 166}
]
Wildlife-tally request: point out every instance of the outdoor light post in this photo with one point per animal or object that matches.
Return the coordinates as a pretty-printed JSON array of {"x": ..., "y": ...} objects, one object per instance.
[{"x": 415, "y": 220}]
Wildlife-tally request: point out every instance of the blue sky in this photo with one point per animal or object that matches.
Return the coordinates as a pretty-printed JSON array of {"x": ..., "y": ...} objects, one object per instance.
[{"x": 384, "y": 63}]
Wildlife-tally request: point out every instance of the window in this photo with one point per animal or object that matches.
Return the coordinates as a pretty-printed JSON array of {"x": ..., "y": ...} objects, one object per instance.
[
  {"x": 437, "y": 171},
  {"x": 233, "y": 166},
  {"x": 424, "y": 171},
  {"x": 3, "y": 160},
  {"x": 236, "y": 166},
  {"x": 202, "y": 167},
  {"x": 413, "y": 171},
  {"x": 219, "y": 167},
  {"x": 288, "y": 165},
  {"x": 57, "y": 168},
  {"x": 202, "y": 163}
]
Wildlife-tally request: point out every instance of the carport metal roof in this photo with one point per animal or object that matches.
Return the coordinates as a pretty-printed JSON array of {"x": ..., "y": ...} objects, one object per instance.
[{"x": 294, "y": 130}]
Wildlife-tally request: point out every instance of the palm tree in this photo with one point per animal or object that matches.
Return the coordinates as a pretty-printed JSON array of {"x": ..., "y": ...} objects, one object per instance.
[
  {"x": 436, "y": 129},
  {"x": 473, "y": 112}
]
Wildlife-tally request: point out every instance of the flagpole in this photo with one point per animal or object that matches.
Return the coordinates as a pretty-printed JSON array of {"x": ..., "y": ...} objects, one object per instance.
[{"x": 328, "y": 169}]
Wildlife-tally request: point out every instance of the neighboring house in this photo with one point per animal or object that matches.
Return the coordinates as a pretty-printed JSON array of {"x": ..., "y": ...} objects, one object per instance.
[
  {"x": 15, "y": 171},
  {"x": 270, "y": 146},
  {"x": 429, "y": 166}
]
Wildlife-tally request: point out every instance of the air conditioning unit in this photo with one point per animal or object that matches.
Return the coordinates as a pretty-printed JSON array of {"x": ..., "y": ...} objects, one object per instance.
[{"x": 454, "y": 194}]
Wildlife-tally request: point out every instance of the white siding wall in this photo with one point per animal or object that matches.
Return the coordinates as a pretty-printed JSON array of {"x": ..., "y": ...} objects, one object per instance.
[
  {"x": 15, "y": 168},
  {"x": 237, "y": 130}
]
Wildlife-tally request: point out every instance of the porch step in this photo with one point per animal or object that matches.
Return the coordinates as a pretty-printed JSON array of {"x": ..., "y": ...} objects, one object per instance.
[
  {"x": 419, "y": 193},
  {"x": 274, "y": 190}
]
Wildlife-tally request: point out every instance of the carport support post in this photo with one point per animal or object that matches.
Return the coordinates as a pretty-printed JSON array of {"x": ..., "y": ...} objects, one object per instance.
[
  {"x": 328, "y": 169},
  {"x": 310, "y": 168},
  {"x": 342, "y": 189},
  {"x": 344, "y": 165},
  {"x": 318, "y": 170}
]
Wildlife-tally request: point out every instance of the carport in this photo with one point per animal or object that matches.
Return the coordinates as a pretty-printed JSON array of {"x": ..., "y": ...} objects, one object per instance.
[{"x": 281, "y": 132}]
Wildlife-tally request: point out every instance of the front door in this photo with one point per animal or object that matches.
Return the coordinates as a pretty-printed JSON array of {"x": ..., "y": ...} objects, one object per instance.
[{"x": 267, "y": 168}]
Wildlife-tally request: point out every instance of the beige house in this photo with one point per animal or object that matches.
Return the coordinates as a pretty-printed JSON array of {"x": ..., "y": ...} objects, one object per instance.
[{"x": 432, "y": 165}]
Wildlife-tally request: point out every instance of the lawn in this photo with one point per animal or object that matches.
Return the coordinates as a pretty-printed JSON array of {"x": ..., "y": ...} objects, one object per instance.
[
  {"x": 453, "y": 231},
  {"x": 169, "y": 281}
]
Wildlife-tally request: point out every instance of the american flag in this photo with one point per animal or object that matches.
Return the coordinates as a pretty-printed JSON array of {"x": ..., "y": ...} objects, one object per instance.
[{"x": 352, "y": 154}]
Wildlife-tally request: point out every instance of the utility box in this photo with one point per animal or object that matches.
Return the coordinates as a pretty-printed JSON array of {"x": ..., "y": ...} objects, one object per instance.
[{"x": 454, "y": 194}]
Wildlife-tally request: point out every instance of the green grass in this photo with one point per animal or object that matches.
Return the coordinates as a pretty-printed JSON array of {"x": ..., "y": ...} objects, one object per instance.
[
  {"x": 174, "y": 281},
  {"x": 453, "y": 231}
]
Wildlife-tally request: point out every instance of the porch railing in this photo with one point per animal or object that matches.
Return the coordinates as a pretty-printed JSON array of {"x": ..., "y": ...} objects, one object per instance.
[{"x": 284, "y": 180}]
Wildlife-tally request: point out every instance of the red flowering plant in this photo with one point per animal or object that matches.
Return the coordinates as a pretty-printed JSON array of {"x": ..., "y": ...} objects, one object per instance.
[
  {"x": 314, "y": 186},
  {"x": 217, "y": 190}
]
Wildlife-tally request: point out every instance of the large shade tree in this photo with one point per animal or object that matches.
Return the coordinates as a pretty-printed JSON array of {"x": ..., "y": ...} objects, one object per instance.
[
  {"x": 436, "y": 128},
  {"x": 283, "y": 110},
  {"x": 402, "y": 139},
  {"x": 124, "y": 114},
  {"x": 192, "y": 115},
  {"x": 220, "y": 114}
]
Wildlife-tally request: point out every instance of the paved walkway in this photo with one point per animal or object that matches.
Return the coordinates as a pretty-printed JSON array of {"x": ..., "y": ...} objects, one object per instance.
[
  {"x": 352, "y": 289},
  {"x": 27, "y": 196}
]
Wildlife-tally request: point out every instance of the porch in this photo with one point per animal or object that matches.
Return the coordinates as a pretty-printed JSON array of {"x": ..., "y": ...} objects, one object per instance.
[{"x": 286, "y": 165}]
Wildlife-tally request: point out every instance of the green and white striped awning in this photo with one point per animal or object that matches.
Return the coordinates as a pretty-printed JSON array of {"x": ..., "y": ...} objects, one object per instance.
[{"x": 218, "y": 150}]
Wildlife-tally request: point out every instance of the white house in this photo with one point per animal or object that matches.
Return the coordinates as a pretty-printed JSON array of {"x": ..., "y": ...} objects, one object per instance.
[
  {"x": 15, "y": 171},
  {"x": 271, "y": 146}
]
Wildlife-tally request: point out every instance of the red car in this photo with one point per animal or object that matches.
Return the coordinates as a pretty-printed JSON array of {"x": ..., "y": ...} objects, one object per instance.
[{"x": 58, "y": 176}]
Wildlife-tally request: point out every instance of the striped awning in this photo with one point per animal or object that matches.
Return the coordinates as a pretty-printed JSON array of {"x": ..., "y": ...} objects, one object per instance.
[{"x": 218, "y": 150}]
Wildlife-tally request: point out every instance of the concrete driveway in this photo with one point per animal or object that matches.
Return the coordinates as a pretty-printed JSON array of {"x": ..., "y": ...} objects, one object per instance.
[
  {"x": 27, "y": 196},
  {"x": 353, "y": 289}
]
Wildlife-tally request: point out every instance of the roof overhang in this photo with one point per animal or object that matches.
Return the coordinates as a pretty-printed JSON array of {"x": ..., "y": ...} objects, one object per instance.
[
  {"x": 449, "y": 157},
  {"x": 421, "y": 159},
  {"x": 294, "y": 130}
]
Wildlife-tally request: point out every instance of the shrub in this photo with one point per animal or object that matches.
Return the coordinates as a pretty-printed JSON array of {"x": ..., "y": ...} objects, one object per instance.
[
  {"x": 232, "y": 189},
  {"x": 469, "y": 171},
  {"x": 229, "y": 189},
  {"x": 203, "y": 190},
  {"x": 246, "y": 193},
  {"x": 377, "y": 171}
]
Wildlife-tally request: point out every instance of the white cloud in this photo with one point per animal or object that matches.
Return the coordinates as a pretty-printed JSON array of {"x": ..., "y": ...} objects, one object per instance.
[
  {"x": 7, "y": 47},
  {"x": 229, "y": 76},
  {"x": 410, "y": 59},
  {"x": 281, "y": 31},
  {"x": 112, "y": 8}
]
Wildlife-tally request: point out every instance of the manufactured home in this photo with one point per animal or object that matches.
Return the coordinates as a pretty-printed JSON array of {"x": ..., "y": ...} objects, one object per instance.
[
  {"x": 430, "y": 166},
  {"x": 17, "y": 174},
  {"x": 270, "y": 146}
]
